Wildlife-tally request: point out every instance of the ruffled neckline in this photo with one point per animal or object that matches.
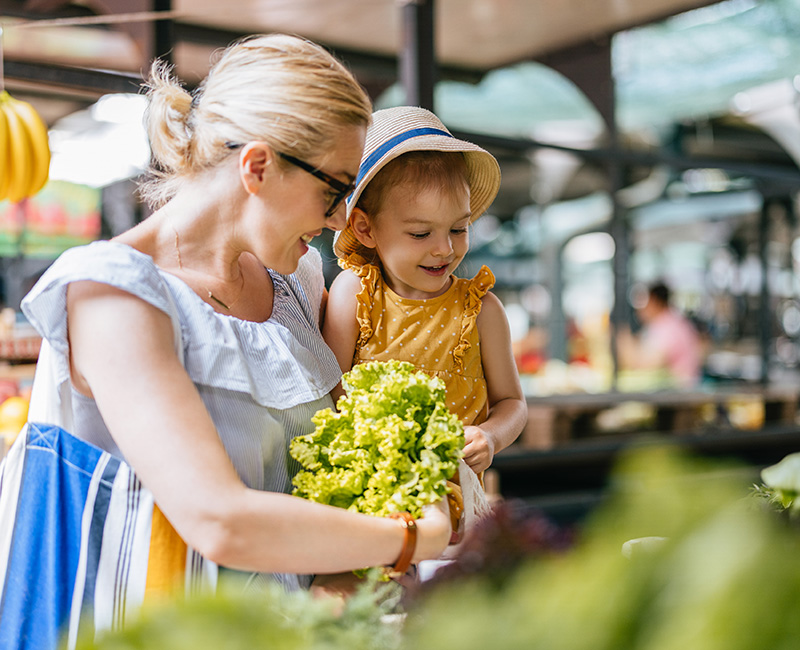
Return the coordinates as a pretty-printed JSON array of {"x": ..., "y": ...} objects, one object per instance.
[{"x": 281, "y": 362}]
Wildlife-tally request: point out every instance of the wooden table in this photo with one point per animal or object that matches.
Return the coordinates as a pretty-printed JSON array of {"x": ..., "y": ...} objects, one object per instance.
[
  {"x": 556, "y": 419},
  {"x": 567, "y": 481}
]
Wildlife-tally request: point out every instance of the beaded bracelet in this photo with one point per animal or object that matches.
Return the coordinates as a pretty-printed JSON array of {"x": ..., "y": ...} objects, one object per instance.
[{"x": 409, "y": 544}]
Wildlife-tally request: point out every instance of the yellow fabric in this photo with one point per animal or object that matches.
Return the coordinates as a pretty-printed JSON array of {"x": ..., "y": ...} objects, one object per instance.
[
  {"x": 439, "y": 335},
  {"x": 166, "y": 565}
]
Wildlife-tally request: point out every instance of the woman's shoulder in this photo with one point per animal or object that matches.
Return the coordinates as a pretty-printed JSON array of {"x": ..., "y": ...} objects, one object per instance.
[
  {"x": 106, "y": 262},
  {"x": 99, "y": 260}
]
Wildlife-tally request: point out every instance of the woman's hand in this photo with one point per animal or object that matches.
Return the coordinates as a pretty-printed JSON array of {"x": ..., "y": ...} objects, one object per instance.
[
  {"x": 478, "y": 450},
  {"x": 433, "y": 531}
]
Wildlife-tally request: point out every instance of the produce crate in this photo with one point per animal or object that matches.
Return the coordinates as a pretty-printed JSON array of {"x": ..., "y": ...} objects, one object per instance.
[{"x": 20, "y": 349}]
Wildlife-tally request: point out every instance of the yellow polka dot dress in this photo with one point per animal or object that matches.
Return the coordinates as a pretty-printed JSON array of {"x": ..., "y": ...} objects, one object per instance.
[{"x": 439, "y": 335}]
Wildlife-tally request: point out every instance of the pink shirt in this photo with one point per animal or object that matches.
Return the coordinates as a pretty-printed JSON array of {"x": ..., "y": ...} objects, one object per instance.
[{"x": 673, "y": 337}]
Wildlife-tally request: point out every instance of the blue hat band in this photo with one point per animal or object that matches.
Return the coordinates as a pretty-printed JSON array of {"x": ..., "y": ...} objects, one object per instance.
[{"x": 390, "y": 144}]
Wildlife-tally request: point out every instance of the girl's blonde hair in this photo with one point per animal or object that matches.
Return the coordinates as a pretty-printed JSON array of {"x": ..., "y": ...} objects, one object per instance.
[
  {"x": 417, "y": 171},
  {"x": 279, "y": 89},
  {"x": 445, "y": 171}
]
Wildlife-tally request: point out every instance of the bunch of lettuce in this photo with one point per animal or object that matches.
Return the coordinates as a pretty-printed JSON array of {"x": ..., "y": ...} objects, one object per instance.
[{"x": 391, "y": 446}]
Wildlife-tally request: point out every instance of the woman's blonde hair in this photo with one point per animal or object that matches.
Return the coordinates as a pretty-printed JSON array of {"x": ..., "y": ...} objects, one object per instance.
[{"x": 279, "y": 89}]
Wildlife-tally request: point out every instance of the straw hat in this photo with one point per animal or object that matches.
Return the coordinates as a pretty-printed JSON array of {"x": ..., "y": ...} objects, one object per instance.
[{"x": 395, "y": 131}]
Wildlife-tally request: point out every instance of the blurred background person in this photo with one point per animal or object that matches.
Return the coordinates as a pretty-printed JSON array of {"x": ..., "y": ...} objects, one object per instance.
[{"x": 668, "y": 341}]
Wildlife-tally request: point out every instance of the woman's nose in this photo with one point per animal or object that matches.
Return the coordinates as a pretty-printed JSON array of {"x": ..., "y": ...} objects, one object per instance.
[{"x": 338, "y": 220}]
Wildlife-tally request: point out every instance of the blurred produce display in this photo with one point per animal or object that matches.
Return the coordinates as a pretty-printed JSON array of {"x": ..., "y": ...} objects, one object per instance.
[
  {"x": 781, "y": 485},
  {"x": 724, "y": 575},
  {"x": 15, "y": 391},
  {"x": 497, "y": 547},
  {"x": 13, "y": 416},
  {"x": 62, "y": 215}
]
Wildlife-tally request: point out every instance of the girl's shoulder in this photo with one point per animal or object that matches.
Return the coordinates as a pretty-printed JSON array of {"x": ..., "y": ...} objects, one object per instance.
[{"x": 346, "y": 281}]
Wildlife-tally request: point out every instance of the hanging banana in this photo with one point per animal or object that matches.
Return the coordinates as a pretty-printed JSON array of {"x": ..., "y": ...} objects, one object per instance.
[
  {"x": 24, "y": 149},
  {"x": 4, "y": 156}
]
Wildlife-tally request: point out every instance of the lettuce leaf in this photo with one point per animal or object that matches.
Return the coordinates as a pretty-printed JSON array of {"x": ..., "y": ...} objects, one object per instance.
[{"x": 390, "y": 446}]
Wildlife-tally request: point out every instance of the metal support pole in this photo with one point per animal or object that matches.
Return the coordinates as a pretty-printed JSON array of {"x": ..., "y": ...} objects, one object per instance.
[
  {"x": 553, "y": 258},
  {"x": 418, "y": 59},
  {"x": 588, "y": 66},
  {"x": 764, "y": 315},
  {"x": 164, "y": 33},
  {"x": 620, "y": 232}
]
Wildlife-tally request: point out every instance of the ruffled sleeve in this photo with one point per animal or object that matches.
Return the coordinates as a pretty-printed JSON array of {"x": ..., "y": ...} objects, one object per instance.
[
  {"x": 106, "y": 262},
  {"x": 476, "y": 290},
  {"x": 370, "y": 275}
]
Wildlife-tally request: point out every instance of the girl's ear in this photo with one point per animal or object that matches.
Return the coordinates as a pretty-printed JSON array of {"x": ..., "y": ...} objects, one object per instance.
[
  {"x": 362, "y": 227},
  {"x": 254, "y": 159}
]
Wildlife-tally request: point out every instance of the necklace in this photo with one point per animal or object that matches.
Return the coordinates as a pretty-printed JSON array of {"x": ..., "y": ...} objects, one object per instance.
[{"x": 211, "y": 296}]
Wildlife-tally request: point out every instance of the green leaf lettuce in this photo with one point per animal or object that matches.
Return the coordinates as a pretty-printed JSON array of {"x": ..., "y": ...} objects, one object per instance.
[{"x": 390, "y": 447}]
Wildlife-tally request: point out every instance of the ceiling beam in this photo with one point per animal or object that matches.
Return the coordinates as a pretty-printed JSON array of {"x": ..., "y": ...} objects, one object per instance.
[
  {"x": 62, "y": 76},
  {"x": 785, "y": 176}
]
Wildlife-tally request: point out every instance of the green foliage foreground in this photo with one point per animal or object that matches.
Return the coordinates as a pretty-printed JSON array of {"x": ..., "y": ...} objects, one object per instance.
[
  {"x": 725, "y": 577},
  {"x": 235, "y": 619}
]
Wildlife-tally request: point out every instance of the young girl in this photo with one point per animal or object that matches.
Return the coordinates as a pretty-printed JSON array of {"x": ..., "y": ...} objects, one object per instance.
[{"x": 418, "y": 188}]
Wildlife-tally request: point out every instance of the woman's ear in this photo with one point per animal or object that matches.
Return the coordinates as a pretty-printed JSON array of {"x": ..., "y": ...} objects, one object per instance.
[
  {"x": 254, "y": 160},
  {"x": 362, "y": 227}
]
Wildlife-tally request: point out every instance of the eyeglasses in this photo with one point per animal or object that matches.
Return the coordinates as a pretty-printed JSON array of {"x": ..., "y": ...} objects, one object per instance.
[{"x": 342, "y": 190}]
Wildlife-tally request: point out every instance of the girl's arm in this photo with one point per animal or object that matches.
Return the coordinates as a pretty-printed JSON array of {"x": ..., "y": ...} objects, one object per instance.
[
  {"x": 122, "y": 354},
  {"x": 340, "y": 327},
  {"x": 508, "y": 410}
]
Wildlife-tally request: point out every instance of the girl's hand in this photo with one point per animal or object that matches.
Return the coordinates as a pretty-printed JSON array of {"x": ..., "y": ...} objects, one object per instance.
[{"x": 478, "y": 450}]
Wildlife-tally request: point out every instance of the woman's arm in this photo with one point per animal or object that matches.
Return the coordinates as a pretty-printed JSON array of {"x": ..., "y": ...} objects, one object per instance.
[
  {"x": 122, "y": 354},
  {"x": 508, "y": 410}
]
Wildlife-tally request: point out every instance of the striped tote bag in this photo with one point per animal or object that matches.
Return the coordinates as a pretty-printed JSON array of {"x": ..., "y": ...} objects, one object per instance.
[{"x": 82, "y": 544}]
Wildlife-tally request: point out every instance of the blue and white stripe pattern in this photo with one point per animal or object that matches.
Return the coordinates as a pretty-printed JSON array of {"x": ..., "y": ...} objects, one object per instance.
[
  {"x": 373, "y": 157},
  {"x": 64, "y": 496}
]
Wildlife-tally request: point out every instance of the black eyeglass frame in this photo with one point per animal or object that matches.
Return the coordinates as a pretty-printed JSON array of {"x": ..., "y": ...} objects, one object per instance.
[{"x": 343, "y": 190}]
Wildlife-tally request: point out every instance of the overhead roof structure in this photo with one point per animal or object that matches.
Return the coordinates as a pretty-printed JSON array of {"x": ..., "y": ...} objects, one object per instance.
[
  {"x": 470, "y": 34},
  {"x": 687, "y": 68},
  {"x": 471, "y": 37}
]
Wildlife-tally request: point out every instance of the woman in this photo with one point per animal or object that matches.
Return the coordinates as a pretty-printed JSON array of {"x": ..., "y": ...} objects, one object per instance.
[{"x": 247, "y": 172}]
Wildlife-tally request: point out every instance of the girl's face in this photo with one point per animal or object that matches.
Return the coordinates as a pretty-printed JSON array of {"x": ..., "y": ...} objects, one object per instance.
[
  {"x": 297, "y": 202},
  {"x": 421, "y": 236}
]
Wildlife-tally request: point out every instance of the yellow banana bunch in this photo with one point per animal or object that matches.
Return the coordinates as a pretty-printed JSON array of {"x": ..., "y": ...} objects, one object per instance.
[{"x": 24, "y": 149}]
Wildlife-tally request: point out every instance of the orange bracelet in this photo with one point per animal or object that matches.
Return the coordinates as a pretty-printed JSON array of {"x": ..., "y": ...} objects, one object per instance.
[{"x": 409, "y": 543}]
